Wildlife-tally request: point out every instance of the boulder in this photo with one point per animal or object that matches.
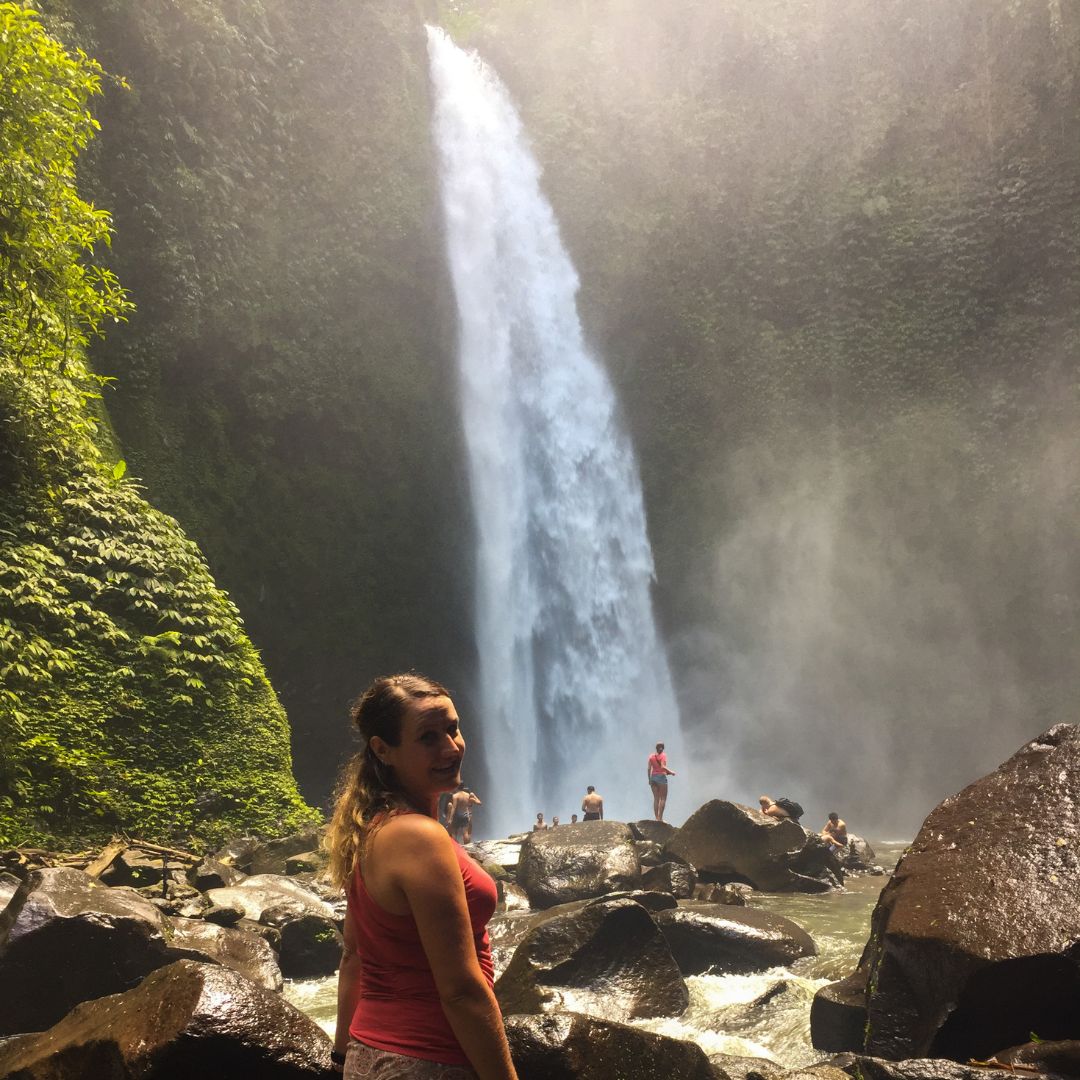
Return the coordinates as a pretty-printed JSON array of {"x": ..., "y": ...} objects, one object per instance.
[
  {"x": 608, "y": 959},
  {"x": 730, "y": 842},
  {"x": 185, "y": 1020},
  {"x": 140, "y": 869},
  {"x": 504, "y": 853},
  {"x": 223, "y": 914},
  {"x": 247, "y": 954},
  {"x": 734, "y": 893},
  {"x": 671, "y": 877},
  {"x": 569, "y": 1046},
  {"x": 720, "y": 939},
  {"x": 858, "y": 857},
  {"x": 659, "y": 832},
  {"x": 263, "y": 893},
  {"x": 211, "y": 874},
  {"x": 818, "y": 861},
  {"x": 746, "y": 1068},
  {"x": 975, "y": 941},
  {"x": 307, "y": 862},
  {"x": 310, "y": 947},
  {"x": 578, "y": 862},
  {"x": 268, "y": 856},
  {"x": 1062, "y": 1056},
  {"x": 649, "y": 900},
  {"x": 238, "y": 852},
  {"x": 649, "y": 853},
  {"x": 9, "y": 884},
  {"x": 838, "y": 1014},
  {"x": 862, "y": 1067},
  {"x": 65, "y": 938}
]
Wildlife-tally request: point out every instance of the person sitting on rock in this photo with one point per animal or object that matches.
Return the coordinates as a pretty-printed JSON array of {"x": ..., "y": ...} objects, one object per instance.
[
  {"x": 540, "y": 825},
  {"x": 835, "y": 832},
  {"x": 459, "y": 814},
  {"x": 770, "y": 808},
  {"x": 592, "y": 806}
]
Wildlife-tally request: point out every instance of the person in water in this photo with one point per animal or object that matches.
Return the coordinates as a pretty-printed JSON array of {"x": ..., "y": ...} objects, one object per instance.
[
  {"x": 459, "y": 814},
  {"x": 592, "y": 806},
  {"x": 658, "y": 773},
  {"x": 834, "y": 832},
  {"x": 415, "y": 997},
  {"x": 770, "y": 808}
]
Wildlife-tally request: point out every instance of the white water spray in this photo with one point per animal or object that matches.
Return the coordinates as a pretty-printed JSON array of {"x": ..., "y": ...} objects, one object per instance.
[{"x": 575, "y": 687}]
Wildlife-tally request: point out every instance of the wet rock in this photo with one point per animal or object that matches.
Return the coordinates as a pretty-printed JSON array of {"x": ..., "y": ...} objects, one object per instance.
[
  {"x": 504, "y": 853},
  {"x": 270, "y": 934},
  {"x": 746, "y": 1068},
  {"x": 838, "y": 1014},
  {"x": 262, "y": 893},
  {"x": 862, "y": 1067},
  {"x": 818, "y": 861},
  {"x": 223, "y": 914},
  {"x": 307, "y": 862},
  {"x": 734, "y": 893},
  {"x": 141, "y": 869},
  {"x": 238, "y": 853},
  {"x": 649, "y": 853},
  {"x": 578, "y": 862},
  {"x": 310, "y": 947},
  {"x": 569, "y": 1046},
  {"x": 212, "y": 874},
  {"x": 659, "y": 832},
  {"x": 247, "y": 954},
  {"x": 728, "y": 841},
  {"x": 671, "y": 877},
  {"x": 186, "y": 1020},
  {"x": 650, "y": 900},
  {"x": 858, "y": 857},
  {"x": 9, "y": 883},
  {"x": 1062, "y": 1056},
  {"x": 974, "y": 940},
  {"x": 514, "y": 898},
  {"x": 609, "y": 959},
  {"x": 269, "y": 856},
  {"x": 65, "y": 938},
  {"x": 725, "y": 940}
]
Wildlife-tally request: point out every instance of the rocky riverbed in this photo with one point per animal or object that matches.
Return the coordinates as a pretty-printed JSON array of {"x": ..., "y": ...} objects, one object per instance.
[{"x": 634, "y": 950}]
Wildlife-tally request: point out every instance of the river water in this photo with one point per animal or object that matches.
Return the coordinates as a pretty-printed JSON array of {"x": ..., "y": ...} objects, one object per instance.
[{"x": 726, "y": 1014}]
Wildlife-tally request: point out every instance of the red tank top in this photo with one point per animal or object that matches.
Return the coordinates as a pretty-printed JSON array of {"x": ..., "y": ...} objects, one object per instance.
[{"x": 398, "y": 1008}]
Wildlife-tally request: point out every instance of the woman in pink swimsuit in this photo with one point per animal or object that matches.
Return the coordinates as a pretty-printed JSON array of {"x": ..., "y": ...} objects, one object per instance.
[
  {"x": 658, "y": 774},
  {"x": 415, "y": 998}
]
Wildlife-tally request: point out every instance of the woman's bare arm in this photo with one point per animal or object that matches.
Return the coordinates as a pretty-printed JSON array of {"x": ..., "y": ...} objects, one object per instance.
[
  {"x": 348, "y": 985},
  {"x": 418, "y": 857}
]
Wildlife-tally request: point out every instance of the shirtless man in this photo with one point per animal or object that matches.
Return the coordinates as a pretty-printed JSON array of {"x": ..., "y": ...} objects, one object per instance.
[
  {"x": 592, "y": 806},
  {"x": 835, "y": 832},
  {"x": 459, "y": 814},
  {"x": 770, "y": 808}
]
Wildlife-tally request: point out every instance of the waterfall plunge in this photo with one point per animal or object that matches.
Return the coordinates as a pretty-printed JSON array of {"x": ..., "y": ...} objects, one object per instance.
[{"x": 574, "y": 682}]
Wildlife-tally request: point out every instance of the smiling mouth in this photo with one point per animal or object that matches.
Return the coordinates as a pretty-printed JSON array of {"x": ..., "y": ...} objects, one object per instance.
[{"x": 449, "y": 770}]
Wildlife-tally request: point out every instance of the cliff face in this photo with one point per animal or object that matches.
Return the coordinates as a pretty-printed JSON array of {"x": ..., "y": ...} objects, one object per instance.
[{"x": 829, "y": 254}]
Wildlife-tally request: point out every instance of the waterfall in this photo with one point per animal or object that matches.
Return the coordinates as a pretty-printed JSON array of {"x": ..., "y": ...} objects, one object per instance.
[{"x": 574, "y": 682}]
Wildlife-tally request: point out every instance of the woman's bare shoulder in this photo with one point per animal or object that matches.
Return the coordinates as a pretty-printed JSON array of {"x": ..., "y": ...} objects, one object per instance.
[{"x": 408, "y": 830}]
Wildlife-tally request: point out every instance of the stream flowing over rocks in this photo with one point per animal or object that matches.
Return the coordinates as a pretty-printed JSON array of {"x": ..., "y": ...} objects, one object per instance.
[{"x": 604, "y": 967}]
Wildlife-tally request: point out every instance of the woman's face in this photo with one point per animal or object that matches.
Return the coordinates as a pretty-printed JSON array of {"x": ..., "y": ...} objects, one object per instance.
[{"x": 427, "y": 760}]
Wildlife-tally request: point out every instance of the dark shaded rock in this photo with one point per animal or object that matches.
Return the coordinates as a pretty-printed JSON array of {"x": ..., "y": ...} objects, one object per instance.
[
  {"x": 65, "y": 938},
  {"x": 1061, "y": 1057},
  {"x": 270, "y": 934},
  {"x": 578, "y": 862},
  {"x": 722, "y": 939},
  {"x": 734, "y": 893},
  {"x": 268, "y": 857},
  {"x": 649, "y": 853},
  {"x": 247, "y": 954},
  {"x": 286, "y": 898},
  {"x": 651, "y": 901},
  {"x": 676, "y": 878},
  {"x": 223, "y": 914},
  {"x": 862, "y": 1067},
  {"x": 817, "y": 860},
  {"x": 802, "y": 883},
  {"x": 569, "y": 1046},
  {"x": 609, "y": 957},
  {"x": 211, "y": 874},
  {"x": 310, "y": 946},
  {"x": 238, "y": 852},
  {"x": 975, "y": 941},
  {"x": 659, "y": 832},
  {"x": 141, "y": 869},
  {"x": 183, "y": 1021},
  {"x": 858, "y": 857},
  {"x": 307, "y": 862},
  {"x": 728, "y": 841},
  {"x": 838, "y": 1014}
]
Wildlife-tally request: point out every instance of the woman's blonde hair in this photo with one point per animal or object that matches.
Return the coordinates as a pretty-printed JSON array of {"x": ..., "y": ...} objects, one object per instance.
[{"x": 367, "y": 788}]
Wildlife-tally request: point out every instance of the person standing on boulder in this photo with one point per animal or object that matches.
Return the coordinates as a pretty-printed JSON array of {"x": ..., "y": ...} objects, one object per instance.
[
  {"x": 592, "y": 806},
  {"x": 415, "y": 989},
  {"x": 658, "y": 773}
]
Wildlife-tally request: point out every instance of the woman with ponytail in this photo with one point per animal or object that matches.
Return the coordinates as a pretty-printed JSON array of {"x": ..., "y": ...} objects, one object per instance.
[{"x": 415, "y": 998}]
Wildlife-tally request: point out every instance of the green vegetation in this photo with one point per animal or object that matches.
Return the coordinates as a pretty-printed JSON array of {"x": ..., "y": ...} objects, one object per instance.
[{"x": 130, "y": 697}]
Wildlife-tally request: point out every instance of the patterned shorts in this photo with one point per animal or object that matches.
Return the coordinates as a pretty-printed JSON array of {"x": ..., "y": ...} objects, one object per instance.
[{"x": 364, "y": 1062}]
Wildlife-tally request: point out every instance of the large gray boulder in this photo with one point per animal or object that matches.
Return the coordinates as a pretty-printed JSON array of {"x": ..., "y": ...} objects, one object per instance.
[
  {"x": 727, "y": 841},
  {"x": 185, "y": 1020},
  {"x": 578, "y": 862},
  {"x": 271, "y": 899},
  {"x": 608, "y": 959},
  {"x": 838, "y": 1014},
  {"x": 65, "y": 938},
  {"x": 659, "y": 832},
  {"x": 675, "y": 878},
  {"x": 721, "y": 939},
  {"x": 974, "y": 941},
  {"x": 270, "y": 856},
  {"x": 569, "y": 1046},
  {"x": 310, "y": 947},
  {"x": 247, "y": 954}
]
